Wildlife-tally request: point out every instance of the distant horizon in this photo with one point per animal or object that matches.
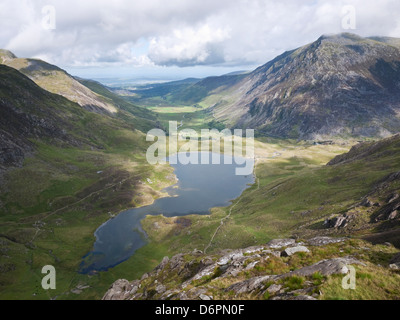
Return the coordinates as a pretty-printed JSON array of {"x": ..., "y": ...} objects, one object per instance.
[{"x": 144, "y": 76}]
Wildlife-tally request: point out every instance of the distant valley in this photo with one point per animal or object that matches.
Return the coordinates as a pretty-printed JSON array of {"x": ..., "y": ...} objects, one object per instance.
[{"x": 327, "y": 153}]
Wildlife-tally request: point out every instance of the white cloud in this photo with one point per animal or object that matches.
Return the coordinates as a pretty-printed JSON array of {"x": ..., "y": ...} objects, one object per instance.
[
  {"x": 181, "y": 32},
  {"x": 189, "y": 46}
]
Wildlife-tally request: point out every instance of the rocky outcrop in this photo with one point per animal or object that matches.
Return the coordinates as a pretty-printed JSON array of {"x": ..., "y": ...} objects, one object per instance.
[
  {"x": 280, "y": 243},
  {"x": 121, "y": 290},
  {"x": 327, "y": 267},
  {"x": 240, "y": 273},
  {"x": 339, "y": 222}
]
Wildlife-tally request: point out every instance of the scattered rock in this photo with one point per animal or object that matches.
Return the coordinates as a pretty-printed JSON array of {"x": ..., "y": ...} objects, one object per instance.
[
  {"x": 135, "y": 285},
  {"x": 251, "y": 266},
  {"x": 229, "y": 257},
  {"x": 120, "y": 290},
  {"x": 396, "y": 258},
  {"x": 276, "y": 254},
  {"x": 168, "y": 294},
  {"x": 205, "y": 297},
  {"x": 156, "y": 225},
  {"x": 392, "y": 198},
  {"x": 280, "y": 243},
  {"x": 274, "y": 288},
  {"x": 394, "y": 266},
  {"x": 322, "y": 241},
  {"x": 250, "y": 285},
  {"x": 303, "y": 297},
  {"x": 195, "y": 293},
  {"x": 161, "y": 289},
  {"x": 145, "y": 276},
  {"x": 183, "y": 296},
  {"x": 367, "y": 203},
  {"x": 227, "y": 265},
  {"x": 292, "y": 250},
  {"x": 395, "y": 262},
  {"x": 207, "y": 271},
  {"x": 197, "y": 252},
  {"x": 162, "y": 265},
  {"x": 393, "y": 215},
  {"x": 327, "y": 267},
  {"x": 338, "y": 222}
]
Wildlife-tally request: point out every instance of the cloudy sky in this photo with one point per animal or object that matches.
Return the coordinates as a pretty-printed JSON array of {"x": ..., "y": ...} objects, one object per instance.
[{"x": 179, "y": 38}]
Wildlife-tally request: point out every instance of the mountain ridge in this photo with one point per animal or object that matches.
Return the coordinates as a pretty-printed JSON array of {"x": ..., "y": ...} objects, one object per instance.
[
  {"x": 58, "y": 81},
  {"x": 342, "y": 86},
  {"x": 332, "y": 86}
]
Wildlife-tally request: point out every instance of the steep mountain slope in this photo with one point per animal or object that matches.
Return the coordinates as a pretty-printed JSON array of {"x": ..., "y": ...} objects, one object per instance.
[
  {"x": 341, "y": 85},
  {"x": 30, "y": 115},
  {"x": 185, "y": 92},
  {"x": 90, "y": 95},
  {"x": 29, "y": 112},
  {"x": 56, "y": 80},
  {"x": 64, "y": 171},
  {"x": 206, "y": 87},
  {"x": 144, "y": 118}
]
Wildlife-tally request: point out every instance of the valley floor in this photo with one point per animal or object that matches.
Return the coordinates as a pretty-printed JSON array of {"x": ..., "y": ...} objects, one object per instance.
[{"x": 52, "y": 219}]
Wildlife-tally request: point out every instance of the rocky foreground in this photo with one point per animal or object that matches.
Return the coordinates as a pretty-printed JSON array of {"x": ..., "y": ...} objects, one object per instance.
[{"x": 283, "y": 269}]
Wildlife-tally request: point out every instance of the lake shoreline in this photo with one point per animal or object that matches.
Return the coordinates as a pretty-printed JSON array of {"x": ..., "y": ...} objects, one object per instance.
[{"x": 115, "y": 238}]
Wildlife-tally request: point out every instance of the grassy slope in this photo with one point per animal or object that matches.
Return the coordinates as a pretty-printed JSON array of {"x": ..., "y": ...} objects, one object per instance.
[
  {"x": 144, "y": 118},
  {"x": 84, "y": 92},
  {"x": 50, "y": 208},
  {"x": 294, "y": 194}
]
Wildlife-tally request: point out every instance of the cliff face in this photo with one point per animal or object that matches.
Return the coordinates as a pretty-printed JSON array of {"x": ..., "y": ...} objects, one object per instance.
[{"x": 340, "y": 85}]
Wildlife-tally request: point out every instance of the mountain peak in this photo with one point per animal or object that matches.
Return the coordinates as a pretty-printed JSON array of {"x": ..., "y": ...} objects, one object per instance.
[
  {"x": 341, "y": 37},
  {"x": 340, "y": 85},
  {"x": 6, "y": 55}
]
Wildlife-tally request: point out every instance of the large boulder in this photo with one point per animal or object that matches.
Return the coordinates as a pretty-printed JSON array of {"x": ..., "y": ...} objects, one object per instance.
[{"x": 292, "y": 250}]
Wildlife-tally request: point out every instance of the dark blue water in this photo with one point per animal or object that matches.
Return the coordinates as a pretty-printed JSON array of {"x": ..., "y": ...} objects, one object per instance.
[{"x": 200, "y": 188}]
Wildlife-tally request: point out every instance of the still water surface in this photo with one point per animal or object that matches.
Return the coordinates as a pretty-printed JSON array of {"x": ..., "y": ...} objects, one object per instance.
[{"x": 200, "y": 188}]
